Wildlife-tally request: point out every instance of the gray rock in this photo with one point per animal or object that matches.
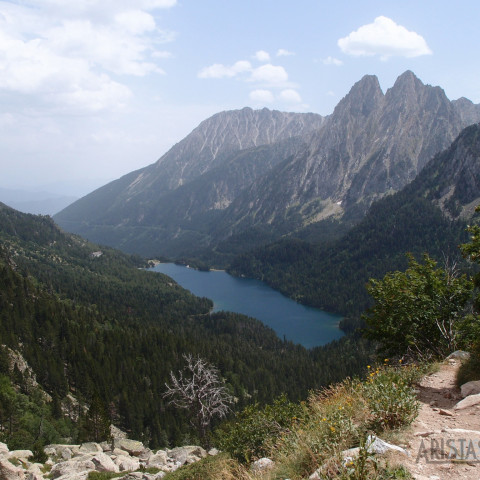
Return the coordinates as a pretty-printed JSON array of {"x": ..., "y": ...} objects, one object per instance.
[
  {"x": 183, "y": 454},
  {"x": 127, "y": 464},
  {"x": 158, "y": 460},
  {"x": 20, "y": 454},
  {"x": 213, "y": 452},
  {"x": 106, "y": 446},
  {"x": 103, "y": 463},
  {"x": 115, "y": 432},
  {"x": 90, "y": 447},
  {"x": 459, "y": 354},
  {"x": 470, "y": 388},
  {"x": 379, "y": 446},
  {"x": 34, "y": 476},
  {"x": 262, "y": 465},
  {"x": 3, "y": 448},
  {"x": 119, "y": 451},
  {"x": 62, "y": 451},
  {"x": 133, "y": 447},
  {"x": 145, "y": 454},
  {"x": 9, "y": 471},
  {"x": 72, "y": 468},
  {"x": 469, "y": 401}
]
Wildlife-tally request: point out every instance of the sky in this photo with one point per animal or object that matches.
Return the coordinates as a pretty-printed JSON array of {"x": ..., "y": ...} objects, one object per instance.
[{"x": 93, "y": 89}]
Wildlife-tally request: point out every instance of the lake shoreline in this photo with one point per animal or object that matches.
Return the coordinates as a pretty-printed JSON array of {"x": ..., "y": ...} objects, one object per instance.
[{"x": 289, "y": 319}]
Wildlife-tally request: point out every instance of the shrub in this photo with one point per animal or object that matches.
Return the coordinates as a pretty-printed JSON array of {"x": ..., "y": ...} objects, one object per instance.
[
  {"x": 390, "y": 396},
  {"x": 470, "y": 369},
  {"x": 254, "y": 431}
]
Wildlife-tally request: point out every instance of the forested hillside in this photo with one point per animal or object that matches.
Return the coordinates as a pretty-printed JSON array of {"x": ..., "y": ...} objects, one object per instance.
[
  {"x": 429, "y": 215},
  {"x": 93, "y": 324}
]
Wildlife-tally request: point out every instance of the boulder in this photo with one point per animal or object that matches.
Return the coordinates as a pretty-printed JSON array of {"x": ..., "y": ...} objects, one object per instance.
[
  {"x": 470, "y": 388},
  {"x": 103, "y": 463},
  {"x": 72, "y": 468},
  {"x": 8, "y": 471},
  {"x": 106, "y": 446},
  {"x": 459, "y": 354},
  {"x": 62, "y": 451},
  {"x": 262, "y": 465},
  {"x": 145, "y": 454},
  {"x": 187, "y": 454},
  {"x": 158, "y": 460},
  {"x": 3, "y": 448},
  {"x": 120, "y": 452},
  {"x": 115, "y": 432},
  {"x": 379, "y": 446},
  {"x": 35, "y": 476},
  {"x": 127, "y": 464},
  {"x": 20, "y": 454},
  {"x": 469, "y": 401},
  {"x": 90, "y": 447},
  {"x": 133, "y": 447}
]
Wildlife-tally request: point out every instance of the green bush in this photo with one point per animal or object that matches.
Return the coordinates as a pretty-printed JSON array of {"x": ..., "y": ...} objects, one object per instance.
[
  {"x": 470, "y": 369},
  {"x": 255, "y": 429},
  {"x": 390, "y": 396}
]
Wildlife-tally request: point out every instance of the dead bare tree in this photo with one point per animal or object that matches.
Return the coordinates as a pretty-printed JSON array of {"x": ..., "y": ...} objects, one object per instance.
[{"x": 199, "y": 389}]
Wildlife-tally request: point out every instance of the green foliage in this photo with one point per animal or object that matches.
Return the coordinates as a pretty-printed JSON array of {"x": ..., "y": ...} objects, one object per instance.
[
  {"x": 390, "y": 397},
  {"x": 219, "y": 467},
  {"x": 418, "y": 311},
  {"x": 102, "y": 326},
  {"x": 470, "y": 369},
  {"x": 251, "y": 434}
]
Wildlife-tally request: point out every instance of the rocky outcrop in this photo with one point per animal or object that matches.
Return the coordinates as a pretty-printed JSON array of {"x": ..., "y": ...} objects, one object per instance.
[{"x": 75, "y": 462}]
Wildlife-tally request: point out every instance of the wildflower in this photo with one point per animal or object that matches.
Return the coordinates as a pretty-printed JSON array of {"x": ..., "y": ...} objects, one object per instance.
[{"x": 368, "y": 366}]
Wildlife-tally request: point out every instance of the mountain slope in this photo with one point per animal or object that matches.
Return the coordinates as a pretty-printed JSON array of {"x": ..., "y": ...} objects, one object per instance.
[
  {"x": 218, "y": 187},
  {"x": 426, "y": 216},
  {"x": 208, "y": 146},
  {"x": 91, "y": 323}
]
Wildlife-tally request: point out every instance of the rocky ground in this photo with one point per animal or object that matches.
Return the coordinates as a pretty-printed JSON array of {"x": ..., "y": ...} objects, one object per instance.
[
  {"x": 75, "y": 462},
  {"x": 444, "y": 442}
]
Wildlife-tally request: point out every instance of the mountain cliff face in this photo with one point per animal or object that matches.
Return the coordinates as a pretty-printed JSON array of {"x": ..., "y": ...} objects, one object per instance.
[
  {"x": 372, "y": 145},
  {"x": 250, "y": 171}
]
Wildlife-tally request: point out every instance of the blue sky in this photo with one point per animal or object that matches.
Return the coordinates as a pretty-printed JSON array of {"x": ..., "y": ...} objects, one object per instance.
[{"x": 93, "y": 89}]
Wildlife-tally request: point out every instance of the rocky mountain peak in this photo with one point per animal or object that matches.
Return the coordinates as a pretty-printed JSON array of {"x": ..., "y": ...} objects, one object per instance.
[{"x": 364, "y": 97}]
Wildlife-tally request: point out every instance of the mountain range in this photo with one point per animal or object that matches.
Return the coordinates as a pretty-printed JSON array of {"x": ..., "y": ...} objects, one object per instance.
[{"x": 245, "y": 178}]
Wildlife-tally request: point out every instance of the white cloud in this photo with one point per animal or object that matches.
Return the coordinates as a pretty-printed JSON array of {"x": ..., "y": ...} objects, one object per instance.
[
  {"x": 262, "y": 96},
  {"x": 61, "y": 54},
  {"x": 262, "y": 56},
  {"x": 281, "y": 52},
  {"x": 218, "y": 70},
  {"x": 270, "y": 74},
  {"x": 385, "y": 38},
  {"x": 291, "y": 96},
  {"x": 332, "y": 61}
]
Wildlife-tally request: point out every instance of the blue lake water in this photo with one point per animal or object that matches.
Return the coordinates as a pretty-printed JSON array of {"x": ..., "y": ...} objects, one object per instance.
[{"x": 305, "y": 325}]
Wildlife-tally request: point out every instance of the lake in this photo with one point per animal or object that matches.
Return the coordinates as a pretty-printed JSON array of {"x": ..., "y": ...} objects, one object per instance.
[{"x": 305, "y": 325}]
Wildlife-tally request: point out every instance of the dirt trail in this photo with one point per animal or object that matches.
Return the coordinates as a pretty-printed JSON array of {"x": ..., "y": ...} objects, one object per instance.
[{"x": 440, "y": 430}]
